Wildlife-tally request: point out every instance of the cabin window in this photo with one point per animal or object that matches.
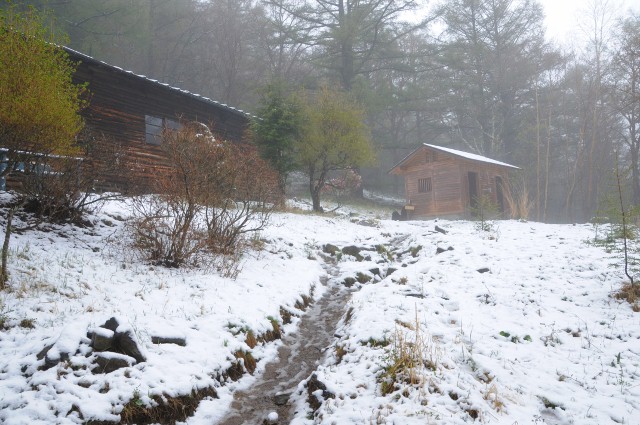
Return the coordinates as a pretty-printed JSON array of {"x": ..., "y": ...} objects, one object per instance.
[
  {"x": 424, "y": 185},
  {"x": 153, "y": 127}
]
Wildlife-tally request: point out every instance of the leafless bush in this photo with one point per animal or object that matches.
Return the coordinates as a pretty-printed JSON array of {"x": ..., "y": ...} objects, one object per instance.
[
  {"x": 62, "y": 188},
  {"x": 213, "y": 195},
  {"x": 517, "y": 198}
]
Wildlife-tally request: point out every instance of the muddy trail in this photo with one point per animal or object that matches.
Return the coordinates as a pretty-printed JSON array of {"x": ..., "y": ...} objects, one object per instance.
[{"x": 300, "y": 354}]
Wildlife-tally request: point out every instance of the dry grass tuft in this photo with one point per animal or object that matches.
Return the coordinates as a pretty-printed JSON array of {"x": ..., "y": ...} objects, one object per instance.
[
  {"x": 520, "y": 206},
  {"x": 164, "y": 409},
  {"x": 412, "y": 355},
  {"x": 491, "y": 395},
  {"x": 248, "y": 360},
  {"x": 250, "y": 340},
  {"x": 630, "y": 293}
]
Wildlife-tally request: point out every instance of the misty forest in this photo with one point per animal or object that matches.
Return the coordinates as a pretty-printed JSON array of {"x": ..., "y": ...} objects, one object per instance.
[
  {"x": 166, "y": 257},
  {"x": 479, "y": 76}
]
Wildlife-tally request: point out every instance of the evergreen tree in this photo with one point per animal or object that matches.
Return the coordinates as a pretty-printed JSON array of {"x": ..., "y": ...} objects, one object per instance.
[{"x": 276, "y": 128}]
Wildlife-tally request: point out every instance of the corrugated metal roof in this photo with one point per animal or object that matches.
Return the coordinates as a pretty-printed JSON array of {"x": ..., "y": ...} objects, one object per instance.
[{"x": 201, "y": 98}]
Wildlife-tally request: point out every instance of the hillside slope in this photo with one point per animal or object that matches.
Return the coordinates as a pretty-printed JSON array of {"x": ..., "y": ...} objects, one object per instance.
[{"x": 514, "y": 325}]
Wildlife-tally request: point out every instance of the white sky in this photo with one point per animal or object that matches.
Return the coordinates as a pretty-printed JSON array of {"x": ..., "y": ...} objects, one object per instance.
[{"x": 563, "y": 17}]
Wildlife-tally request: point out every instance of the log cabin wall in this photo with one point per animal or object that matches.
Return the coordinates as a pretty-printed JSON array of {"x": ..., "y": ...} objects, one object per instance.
[{"x": 121, "y": 103}]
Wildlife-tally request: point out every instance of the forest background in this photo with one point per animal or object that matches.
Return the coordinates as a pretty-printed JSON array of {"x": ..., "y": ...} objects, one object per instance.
[{"x": 477, "y": 75}]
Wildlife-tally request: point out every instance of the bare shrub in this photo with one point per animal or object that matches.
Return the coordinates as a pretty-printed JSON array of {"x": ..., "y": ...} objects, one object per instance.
[
  {"x": 63, "y": 189},
  {"x": 517, "y": 198},
  {"x": 57, "y": 189},
  {"x": 213, "y": 195},
  {"x": 249, "y": 193}
]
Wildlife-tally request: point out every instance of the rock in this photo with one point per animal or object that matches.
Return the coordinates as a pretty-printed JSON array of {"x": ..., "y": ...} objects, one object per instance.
[
  {"x": 390, "y": 271},
  {"x": 368, "y": 223},
  {"x": 67, "y": 345},
  {"x": 42, "y": 353},
  {"x": 354, "y": 251},
  {"x": 127, "y": 344},
  {"x": 108, "y": 362},
  {"x": 181, "y": 341},
  {"x": 441, "y": 230},
  {"x": 440, "y": 250},
  {"x": 317, "y": 392},
  {"x": 281, "y": 399},
  {"x": 48, "y": 362},
  {"x": 330, "y": 249},
  {"x": 111, "y": 324},
  {"x": 375, "y": 271},
  {"x": 102, "y": 339},
  {"x": 123, "y": 340},
  {"x": 483, "y": 270},
  {"x": 349, "y": 282}
]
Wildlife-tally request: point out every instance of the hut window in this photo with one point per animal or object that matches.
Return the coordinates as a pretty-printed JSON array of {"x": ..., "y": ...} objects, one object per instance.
[
  {"x": 424, "y": 185},
  {"x": 153, "y": 127}
]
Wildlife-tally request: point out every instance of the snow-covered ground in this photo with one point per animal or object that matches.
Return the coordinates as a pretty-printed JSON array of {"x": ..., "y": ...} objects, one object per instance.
[{"x": 514, "y": 325}]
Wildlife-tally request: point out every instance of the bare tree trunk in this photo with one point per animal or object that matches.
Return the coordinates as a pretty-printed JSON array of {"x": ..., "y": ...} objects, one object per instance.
[
  {"x": 538, "y": 157},
  {"x": 4, "y": 273},
  {"x": 624, "y": 223},
  {"x": 546, "y": 172}
]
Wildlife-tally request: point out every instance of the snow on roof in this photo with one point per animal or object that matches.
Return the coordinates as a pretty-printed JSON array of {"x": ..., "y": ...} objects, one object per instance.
[
  {"x": 144, "y": 77},
  {"x": 471, "y": 156},
  {"x": 461, "y": 154}
]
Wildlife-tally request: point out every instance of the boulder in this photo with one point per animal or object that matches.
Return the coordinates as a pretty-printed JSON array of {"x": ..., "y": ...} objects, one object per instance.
[
  {"x": 102, "y": 338},
  {"x": 107, "y": 362},
  {"x": 317, "y": 392},
  {"x": 181, "y": 341},
  {"x": 441, "y": 230},
  {"x": 354, "y": 251},
  {"x": 111, "y": 324},
  {"x": 330, "y": 249},
  {"x": 349, "y": 282},
  {"x": 126, "y": 343},
  {"x": 281, "y": 399}
]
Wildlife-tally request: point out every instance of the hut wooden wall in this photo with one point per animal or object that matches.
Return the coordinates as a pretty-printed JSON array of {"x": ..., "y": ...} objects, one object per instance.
[
  {"x": 450, "y": 185},
  {"x": 119, "y": 101}
]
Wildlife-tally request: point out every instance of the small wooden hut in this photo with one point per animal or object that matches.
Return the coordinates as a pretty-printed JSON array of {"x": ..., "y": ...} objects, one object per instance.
[{"x": 444, "y": 182}]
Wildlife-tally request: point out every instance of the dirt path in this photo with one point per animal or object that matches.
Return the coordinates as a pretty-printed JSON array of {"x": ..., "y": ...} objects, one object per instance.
[{"x": 298, "y": 357}]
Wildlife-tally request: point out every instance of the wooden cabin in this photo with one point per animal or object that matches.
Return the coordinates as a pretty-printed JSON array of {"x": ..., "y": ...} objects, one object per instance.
[
  {"x": 444, "y": 182},
  {"x": 132, "y": 110}
]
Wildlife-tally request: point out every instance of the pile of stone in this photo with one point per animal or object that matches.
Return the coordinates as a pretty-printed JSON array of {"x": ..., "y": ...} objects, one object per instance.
[{"x": 112, "y": 344}]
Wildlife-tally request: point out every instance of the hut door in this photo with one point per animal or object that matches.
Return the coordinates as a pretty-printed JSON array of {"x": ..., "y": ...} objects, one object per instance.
[
  {"x": 499, "y": 194},
  {"x": 473, "y": 190}
]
